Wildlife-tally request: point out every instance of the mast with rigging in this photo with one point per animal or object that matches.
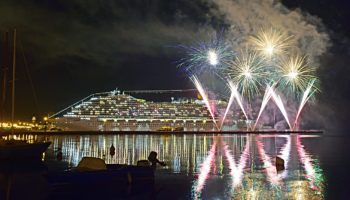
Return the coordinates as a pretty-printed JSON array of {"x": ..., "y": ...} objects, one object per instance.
[{"x": 13, "y": 81}]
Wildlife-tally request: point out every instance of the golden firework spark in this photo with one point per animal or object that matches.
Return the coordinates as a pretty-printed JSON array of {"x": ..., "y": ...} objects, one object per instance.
[
  {"x": 296, "y": 74},
  {"x": 271, "y": 42}
]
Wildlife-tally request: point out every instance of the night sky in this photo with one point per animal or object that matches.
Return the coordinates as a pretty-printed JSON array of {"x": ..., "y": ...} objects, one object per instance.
[{"x": 73, "y": 48}]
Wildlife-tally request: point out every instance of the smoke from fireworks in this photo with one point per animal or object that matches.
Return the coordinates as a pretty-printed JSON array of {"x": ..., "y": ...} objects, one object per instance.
[{"x": 251, "y": 17}]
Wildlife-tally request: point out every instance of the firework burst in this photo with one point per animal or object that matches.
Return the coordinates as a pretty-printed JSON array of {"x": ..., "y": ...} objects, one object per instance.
[
  {"x": 268, "y": 59},
  {"x": 209, "y": 55},
  {"x": 249, "y": 73},
  {"x": 271, "y": 42},
  {"x": 295, "y": 74}
]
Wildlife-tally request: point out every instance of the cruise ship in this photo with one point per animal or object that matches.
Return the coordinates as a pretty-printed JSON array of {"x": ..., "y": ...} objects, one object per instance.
[{"x": 119, "y": 111}]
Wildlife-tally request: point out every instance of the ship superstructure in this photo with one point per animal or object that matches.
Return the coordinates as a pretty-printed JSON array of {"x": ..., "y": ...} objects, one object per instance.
[{"x": 116, "y": 111}]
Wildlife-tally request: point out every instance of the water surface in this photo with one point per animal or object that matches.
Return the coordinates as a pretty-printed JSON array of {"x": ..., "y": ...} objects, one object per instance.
[{"x": 210, "y": 166}]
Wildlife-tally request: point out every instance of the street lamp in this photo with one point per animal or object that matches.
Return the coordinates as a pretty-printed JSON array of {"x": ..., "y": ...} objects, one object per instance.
[{"x": 45, "y": 123}]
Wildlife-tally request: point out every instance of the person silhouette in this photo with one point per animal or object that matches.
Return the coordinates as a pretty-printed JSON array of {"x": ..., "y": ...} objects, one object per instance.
[
  {"x": 153, "y": 159},
  {"x": 112, "y": 151},
  {"x": 59, "y": 154}
]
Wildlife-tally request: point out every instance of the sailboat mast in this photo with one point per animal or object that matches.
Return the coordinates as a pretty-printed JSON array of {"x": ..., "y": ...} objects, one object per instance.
[
  {"x": 13, "y": 80},
  {"x": 5, "y": 64}
]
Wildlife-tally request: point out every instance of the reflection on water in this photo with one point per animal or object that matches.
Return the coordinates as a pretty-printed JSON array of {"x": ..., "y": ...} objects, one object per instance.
[
  {"x": 253, "y": 174},
  {"x": 204, "y": 170},
  {"x": 221, "y": 166},
  {"x": 181, "y": 153}
]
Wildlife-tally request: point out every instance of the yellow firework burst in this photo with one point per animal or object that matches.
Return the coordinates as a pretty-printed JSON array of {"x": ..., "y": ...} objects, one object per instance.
[
  {"x": 271, "y": 42},
  {"x": 296, "y": 74}
]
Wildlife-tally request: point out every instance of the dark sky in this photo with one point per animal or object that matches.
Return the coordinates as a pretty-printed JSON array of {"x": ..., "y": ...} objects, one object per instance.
[{"x": 77, "y": 47}]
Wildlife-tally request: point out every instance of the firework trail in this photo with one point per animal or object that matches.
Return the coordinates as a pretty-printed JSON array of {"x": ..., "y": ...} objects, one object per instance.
[
  {"x": 205, "y": 98},
  {"x": 234, "y": 95},
  {"x": 237, "y": 96},
  {"x": 306, "y": 96},
  {"x": 266, "y": 99},
  {"x": 270, "y": 93},
  {"x": 230, "y": 101},
  {"x": 280, "y": 105}
]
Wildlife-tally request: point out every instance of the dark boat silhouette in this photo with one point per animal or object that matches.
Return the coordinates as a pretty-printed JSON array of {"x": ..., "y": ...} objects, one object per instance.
[
  {"x": 17, "y": 149},
  {"x": 93, "y": 177}
]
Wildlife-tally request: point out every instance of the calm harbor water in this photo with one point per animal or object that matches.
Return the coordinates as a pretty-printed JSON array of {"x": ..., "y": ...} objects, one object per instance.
[{"x": 220, "y": 166}]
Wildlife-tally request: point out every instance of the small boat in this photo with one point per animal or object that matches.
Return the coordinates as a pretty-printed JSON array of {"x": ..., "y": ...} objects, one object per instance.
[
  {"x": 18, "y": 149},
  {"x": 93, "y": 177},
  {"x": 169, "y": 129},
  {"x": 165, "y": 128},
  {"x": 179, "y": 129}
]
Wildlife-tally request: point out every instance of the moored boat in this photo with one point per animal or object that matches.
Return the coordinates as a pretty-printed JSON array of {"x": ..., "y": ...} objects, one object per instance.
[
  {"x": 17, "y": 149},
  {"x": 93, "y": 175}
]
